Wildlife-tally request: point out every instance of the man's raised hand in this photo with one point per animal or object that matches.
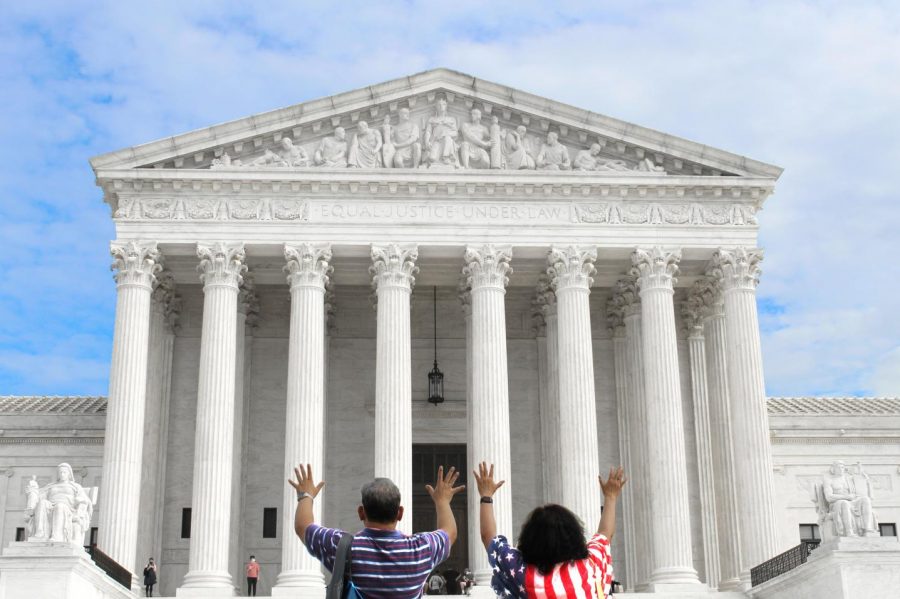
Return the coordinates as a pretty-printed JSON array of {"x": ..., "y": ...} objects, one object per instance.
[
  {"x": 484, "y": 476},
  {"x": 443, "y": 489},
  {"x": 305, "y": 482},
  {"x": 614, "y": 482}
]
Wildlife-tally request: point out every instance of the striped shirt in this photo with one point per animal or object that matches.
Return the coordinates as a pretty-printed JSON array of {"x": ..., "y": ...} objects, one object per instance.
[
  {"x": 579, "y": 579},
  {"x": 385, "y": 563}
]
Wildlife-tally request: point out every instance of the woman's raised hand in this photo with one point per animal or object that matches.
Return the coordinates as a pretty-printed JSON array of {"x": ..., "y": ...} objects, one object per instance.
[
  {"x": 484, "y": 477},
  {"x": 614, "y": 483}
]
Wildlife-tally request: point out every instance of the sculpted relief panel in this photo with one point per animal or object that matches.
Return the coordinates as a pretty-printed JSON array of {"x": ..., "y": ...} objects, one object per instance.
[{"x": 439, "y": 140}]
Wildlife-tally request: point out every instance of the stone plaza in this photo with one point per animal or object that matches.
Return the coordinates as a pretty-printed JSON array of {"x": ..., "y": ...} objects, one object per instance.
[{"x": 285, "y": 283}]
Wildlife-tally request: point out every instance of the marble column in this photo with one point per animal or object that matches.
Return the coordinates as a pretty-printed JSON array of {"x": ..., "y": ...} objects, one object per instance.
[
  {"x": 308, "y": 269},
  {"x": 570, "y": 269},
  {"x": 671, "y": 563},
  {"x": 136, "y": 265},
  {"x": 221, "y": 267},
  {"x": 486, "y": 270},
  {"x": 164, "y": 310},
  {"x": 728, "y": 523},
  {"x": 625, "y": 297},
  {"x": 615, "y": 316},
  {"x": 247, "y": 320},
  {"x": 6, "y": 473},
  {"x": 548, "y": 348},
  {"x": 393, "y": 276},
  {"x": 478, "y": 561},
  {"x": 691, "y": 315},
  {"x": 737, "y": 271}
]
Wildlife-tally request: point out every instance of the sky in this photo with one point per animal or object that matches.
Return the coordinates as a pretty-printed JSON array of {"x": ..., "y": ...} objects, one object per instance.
[{"x": 813, "y": 87}]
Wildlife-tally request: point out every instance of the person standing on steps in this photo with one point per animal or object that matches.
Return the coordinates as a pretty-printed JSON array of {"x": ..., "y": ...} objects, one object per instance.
[
  {"x": 150, "y": 577},
  {"x": 252, "y": 576}
]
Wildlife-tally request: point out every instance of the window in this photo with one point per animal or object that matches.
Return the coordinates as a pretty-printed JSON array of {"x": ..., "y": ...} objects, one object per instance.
[
  {"x": 186, "y": 523},
  {"x": 93, "y": 536},
  {"x": 888, "y": 529},
  {"x": 270, "y": 519},
  {"x": 809, "y": 532},
  {"x": 20, "y": 535}
]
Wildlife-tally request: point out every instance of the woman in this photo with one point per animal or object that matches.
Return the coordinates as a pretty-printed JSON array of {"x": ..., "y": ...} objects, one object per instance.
[
  {"x": 553, "y": 559},
  {"x": 149, "y": 577}
]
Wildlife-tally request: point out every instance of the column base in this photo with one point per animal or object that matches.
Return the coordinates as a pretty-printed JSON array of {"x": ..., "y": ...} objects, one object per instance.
[
  {"x": 203, "y": 584},
  {"x": 54, "y": 571},
  {"x": 299, "y": 585}
]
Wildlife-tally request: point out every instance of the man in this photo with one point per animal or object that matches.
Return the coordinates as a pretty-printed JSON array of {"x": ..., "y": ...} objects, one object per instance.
[
  {"x": 332, "y": 151},
  {"x": 252, "y": 576},
  {"x": 473, "y": 151},
  {"x": 553, "y": 155},
  {"x": 385, "y": 562}
]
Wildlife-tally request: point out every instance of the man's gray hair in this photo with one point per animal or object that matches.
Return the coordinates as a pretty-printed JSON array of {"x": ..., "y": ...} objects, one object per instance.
[{"x": 381, "y": 501}]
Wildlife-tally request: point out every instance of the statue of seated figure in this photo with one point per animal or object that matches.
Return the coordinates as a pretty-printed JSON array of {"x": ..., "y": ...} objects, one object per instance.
[
  {"x": 840, "y": 500},
  {"x": 59, "y": 512}
]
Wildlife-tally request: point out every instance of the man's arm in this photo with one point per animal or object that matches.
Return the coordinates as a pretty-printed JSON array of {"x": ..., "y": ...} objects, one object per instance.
[
  {"x": 307, "y": 490},
  {"x": 611, "y": 489},
  {"x": 484, "y": 477},
  {"x": 442, "y": 494}
]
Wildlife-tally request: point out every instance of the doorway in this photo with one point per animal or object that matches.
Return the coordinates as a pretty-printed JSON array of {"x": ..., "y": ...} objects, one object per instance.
[{"x": 426, "y": 459}]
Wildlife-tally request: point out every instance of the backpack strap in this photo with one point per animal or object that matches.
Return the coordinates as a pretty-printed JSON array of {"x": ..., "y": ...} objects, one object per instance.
[{"x": 340, "y": 574}]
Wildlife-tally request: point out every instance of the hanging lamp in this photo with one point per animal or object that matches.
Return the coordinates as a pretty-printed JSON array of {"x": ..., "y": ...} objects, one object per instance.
[{"x": 435, "y": 377}]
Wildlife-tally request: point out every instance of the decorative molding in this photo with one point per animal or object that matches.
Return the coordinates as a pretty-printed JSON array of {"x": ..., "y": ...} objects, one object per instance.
[
  {"x": 655, "y": 268},
  {"x": 135, "y": 262},
  {"x": 737, "y": 268},
  {"x": 308, "y": 264},
  {"x": 394, "y": 265},
  {"x": 571, "y": 267},
  {"x": 644, "y": 213},
  {"x": 487, "y": 266},
  {"x": 221, "y": 264}
]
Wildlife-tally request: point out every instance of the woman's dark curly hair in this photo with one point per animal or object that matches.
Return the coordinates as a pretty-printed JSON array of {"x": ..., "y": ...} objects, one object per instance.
[{"x": 551, "y": 535}]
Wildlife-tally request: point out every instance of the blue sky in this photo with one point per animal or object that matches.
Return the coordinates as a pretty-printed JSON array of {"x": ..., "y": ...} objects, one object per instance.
[{"x": 811, "y": 86}]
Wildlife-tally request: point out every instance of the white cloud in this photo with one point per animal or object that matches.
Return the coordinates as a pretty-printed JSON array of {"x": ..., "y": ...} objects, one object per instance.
[{"x": 809, "y": 86}]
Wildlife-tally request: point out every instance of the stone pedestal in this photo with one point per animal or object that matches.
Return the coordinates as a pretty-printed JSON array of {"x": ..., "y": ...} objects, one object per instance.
[
  {"x": 845, "y": 568},
  {"x": 54, "y": 571}
]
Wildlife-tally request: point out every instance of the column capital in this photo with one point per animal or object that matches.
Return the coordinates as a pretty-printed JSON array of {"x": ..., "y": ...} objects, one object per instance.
[
  {"x": 308, "y": 264},
  {"x": 135, "y": 262},
  {"x": 709, "y": 295},
  {"x": 625, "y": 294},
  {"x": 330, "y": 305},
  {"x": 693, "y": 309},
  {"x": 464, "y": 293},
  {"x": 166, "y": 298},
  {"x": 487, "y": 266},
  {"x": 248, "y": 300},
  {"x": 655, "y": 268},
  {"x": 543, "y": 304},
  {"x": 615, "y": 317},
  {"x": 221, "y": 264},
  {"x": 394, "y": 265},
  {"x": 737, "y": 268},
  {"x": 571, "y": 267}
]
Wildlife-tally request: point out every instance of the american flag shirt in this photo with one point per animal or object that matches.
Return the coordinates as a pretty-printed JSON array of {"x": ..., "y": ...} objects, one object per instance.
[
  {"x": 589, "y": 578},
  {"x": 386, "y": 564}
]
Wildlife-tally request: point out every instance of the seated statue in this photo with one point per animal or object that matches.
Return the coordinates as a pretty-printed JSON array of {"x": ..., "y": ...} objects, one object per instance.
[
  {"x": 59, "y": 512},
  {"x": 441, "y": 131},
  {"x": 292, "y": 155},
  {"x": 589, "y": 160},
  {"x": 332, "y": 151},
  {"x": 553, "y": 155},
  {"x": 517, "y": 150},
  {"x": 839, "y": 500},
  {"x": 365, "y": 149},
  {"x": 473, "y": 151}
]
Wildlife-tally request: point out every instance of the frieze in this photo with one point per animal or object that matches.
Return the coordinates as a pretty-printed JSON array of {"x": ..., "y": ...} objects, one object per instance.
[{"x": 433, "y": 211}]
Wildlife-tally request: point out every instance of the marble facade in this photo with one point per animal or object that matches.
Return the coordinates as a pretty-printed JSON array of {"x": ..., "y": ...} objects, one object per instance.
[{"x": 595, "y": 284}]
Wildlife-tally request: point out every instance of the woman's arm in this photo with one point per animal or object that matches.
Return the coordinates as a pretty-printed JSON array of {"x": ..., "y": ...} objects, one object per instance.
[
  {"x": 484, "y": 477},
  {"x": 611, "y": 490}
]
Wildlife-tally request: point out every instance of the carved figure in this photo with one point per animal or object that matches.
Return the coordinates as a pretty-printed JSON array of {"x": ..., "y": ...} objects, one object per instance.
[
  {"x": 839, "y": 501},
  {"x": 441, "y": 132},
  {"x": 553, "y": 155},
  {"x": 60, "y": 511},
  {"x": 496, "y": 147},
  {"x": 589, "y": 160},
  {"x": 405, "y": 138},
  {"x": 225, "y": 161},
  {"x": 387, "y": 147},
  {"x": 365, "y": 149},
  {"x": 332, "y": 151},
  {"x": 647, "y": 165},
  {"x": 292, "y": 155},
  {"x": 517, "y": 151},
  {"x": 473, "y": 151}
]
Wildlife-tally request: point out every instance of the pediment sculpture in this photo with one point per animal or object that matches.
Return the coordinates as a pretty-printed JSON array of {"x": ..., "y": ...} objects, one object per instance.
[
  {"x": 441, "y": 142},
  {"x": 60, "y": 511},
  {"x": 844, "y": 503}
]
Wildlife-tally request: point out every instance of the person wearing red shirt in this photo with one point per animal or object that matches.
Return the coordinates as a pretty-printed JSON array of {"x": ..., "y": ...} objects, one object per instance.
[{"x": 252, "y": 576}]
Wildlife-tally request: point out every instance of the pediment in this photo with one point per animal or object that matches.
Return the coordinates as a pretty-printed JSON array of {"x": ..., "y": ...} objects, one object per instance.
[{"x": 514, "y": 129}]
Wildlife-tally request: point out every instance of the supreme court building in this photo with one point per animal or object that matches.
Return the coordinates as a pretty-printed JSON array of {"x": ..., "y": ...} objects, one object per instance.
[{"x": 586, "y": 286}]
